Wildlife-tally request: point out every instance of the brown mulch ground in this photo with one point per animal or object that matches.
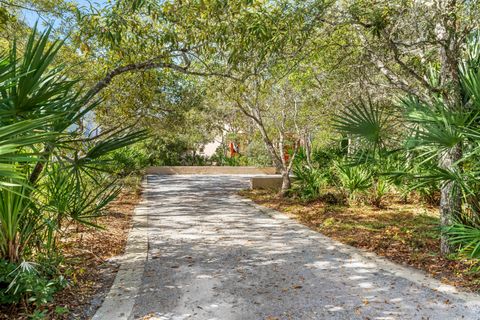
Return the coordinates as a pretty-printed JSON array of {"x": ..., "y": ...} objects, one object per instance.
[
  {"x": 405, "y": 233},
  {"x": 92, "y": 248},
  {"x": 88, "y": 264}
]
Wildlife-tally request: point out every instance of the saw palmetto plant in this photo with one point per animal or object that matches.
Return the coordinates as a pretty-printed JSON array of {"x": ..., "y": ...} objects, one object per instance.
[
  {"x": 431, "y": 129},
  {"x": 51, "y": 172}
]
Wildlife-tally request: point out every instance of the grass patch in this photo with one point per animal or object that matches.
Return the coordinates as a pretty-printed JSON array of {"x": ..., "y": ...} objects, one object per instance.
[{"x": 404, "y": 233}]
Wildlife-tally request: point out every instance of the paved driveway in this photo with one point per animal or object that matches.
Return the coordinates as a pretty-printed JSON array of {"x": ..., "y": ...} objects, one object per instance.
[{"x": 212, "y": 255}]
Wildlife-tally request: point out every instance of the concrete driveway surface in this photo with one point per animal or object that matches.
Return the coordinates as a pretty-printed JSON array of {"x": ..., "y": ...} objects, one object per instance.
[{"x": 210, "y": 254}]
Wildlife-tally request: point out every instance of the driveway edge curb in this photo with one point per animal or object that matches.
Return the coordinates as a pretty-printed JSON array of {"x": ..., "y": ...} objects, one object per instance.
[{"x": 119, "y": 301}]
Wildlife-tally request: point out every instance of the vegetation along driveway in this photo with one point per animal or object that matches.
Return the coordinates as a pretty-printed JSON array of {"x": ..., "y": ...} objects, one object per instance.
[{"x": 199, "y": 251}]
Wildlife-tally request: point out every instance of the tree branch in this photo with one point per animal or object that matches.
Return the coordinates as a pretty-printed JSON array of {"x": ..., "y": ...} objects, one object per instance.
[
  {"x": 146, "y": 65},
  {"x": 392, "y": 77},
  {"x": 404, "y": 66}
]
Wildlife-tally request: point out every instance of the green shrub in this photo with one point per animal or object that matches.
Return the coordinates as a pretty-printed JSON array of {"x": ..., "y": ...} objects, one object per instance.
[
  {"x": 429, "y": 193},
  {"x": 52, "y": 172},
  {"x": 333, "y": 198},
  {"x": 128, "y": 160},
  {"x": 75, "y": 196},
  {"x": 257, "y": 155},
  {"x": 380, "y": 188},
  {"x": 354, "y": 180},
  {"x": 23, "y": 282},
  {"x": 189, "y": 159},
  {"x": 249, "y": 159},
  {"x": 308, "y": 182},
  {"x": 465, "y": 236}
]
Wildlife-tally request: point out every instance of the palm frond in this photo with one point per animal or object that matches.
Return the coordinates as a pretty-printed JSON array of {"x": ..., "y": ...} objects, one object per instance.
[
  {"x": 366, "y": 121},
  {"x": 466, "y": 237}
]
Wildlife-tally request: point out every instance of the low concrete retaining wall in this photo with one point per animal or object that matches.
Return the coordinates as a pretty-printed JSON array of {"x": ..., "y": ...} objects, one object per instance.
[
  {"x": 269, "y": 182},
  {"x": 209, "y": 170}
]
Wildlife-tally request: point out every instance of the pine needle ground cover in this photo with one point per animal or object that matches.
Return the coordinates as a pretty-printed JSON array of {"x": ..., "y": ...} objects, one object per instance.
[{"x": 404, "y": 233}]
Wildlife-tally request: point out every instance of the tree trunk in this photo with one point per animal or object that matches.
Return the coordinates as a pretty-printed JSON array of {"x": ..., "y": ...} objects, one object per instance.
[
  {"x": 286, "y": 183},
  {"x": 40, "y": 165},
  {"x": 37, "y": 170},
  {"x": 308, "y": 148},
  {"x": 450, "y": 197},
  {"x": 446, "y": 32}
]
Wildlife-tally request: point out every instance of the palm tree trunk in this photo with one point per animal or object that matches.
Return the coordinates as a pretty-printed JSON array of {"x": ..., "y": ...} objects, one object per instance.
[
  {"x": 39, "y": 166},
  {"x": 449, "y": 53},
  {"x": 450, "y": 197}
]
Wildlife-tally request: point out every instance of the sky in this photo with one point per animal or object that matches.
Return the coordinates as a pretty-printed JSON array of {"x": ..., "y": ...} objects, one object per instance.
[{"x": 31, "y": 17}]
